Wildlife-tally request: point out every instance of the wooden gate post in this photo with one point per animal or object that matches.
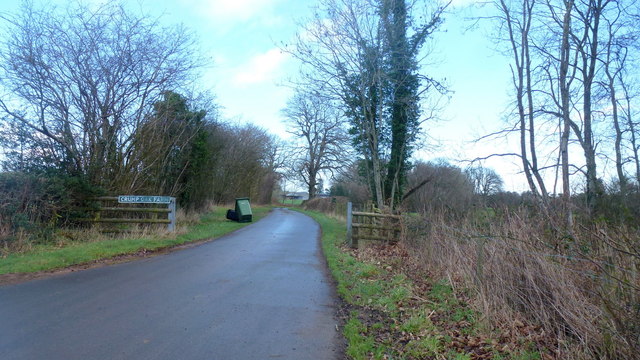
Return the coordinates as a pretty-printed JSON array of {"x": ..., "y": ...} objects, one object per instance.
[
  {"x": 172, "y": 215},
  {"x": 350, "y": 239}
]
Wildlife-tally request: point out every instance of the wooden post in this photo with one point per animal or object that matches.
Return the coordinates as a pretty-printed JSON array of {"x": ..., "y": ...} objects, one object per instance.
[
  {"x": 352, "y": 242},
  {"x": 172, "y": 215},
  {"x": 480, "y": 262},
  {"x": 98, "y": 213}
]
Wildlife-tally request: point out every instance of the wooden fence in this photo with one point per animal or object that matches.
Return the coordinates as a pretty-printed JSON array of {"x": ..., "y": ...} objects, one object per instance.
[
  {"x": 372, "y": 226},
  {"x": 127, "y": 209}
]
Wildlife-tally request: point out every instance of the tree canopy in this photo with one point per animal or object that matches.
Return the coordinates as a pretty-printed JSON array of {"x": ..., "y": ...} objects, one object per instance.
[
  {"x": 366, "y": 55},
  {"x": 76, "y": 84}
]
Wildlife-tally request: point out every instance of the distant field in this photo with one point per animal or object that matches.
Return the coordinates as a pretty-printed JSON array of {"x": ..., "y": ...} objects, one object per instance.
[{"x": 291, "y": 201}]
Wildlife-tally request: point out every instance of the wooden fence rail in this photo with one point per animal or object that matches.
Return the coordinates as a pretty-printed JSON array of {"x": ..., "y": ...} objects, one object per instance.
[
  {"x": 372, "y": 226},
  {"x": 137, "y": 214}
]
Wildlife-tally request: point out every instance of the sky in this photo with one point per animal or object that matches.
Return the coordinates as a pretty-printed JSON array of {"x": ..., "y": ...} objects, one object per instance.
[{"x": 248, "y": 73}]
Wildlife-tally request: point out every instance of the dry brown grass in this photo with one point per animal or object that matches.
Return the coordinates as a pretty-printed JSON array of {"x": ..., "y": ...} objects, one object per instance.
[
  {"x": 16, "y": 243},
  {"x": 582, "y": 292},
  {"x": 189, "y": 218},
  {"x": 23, "y": 241},
  {"x": 335, "y": 206}
]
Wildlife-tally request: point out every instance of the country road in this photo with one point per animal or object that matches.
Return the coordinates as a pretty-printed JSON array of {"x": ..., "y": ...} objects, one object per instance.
[{"x": 260, "y": 293}]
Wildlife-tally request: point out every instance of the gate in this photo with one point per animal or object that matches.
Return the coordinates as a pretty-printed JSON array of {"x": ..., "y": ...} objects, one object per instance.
[
  {"x": 133, "y": 209},
  {"x": 372, "y": 227}
]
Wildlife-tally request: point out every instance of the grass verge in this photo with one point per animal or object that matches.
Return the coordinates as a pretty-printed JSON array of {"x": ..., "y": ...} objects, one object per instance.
[
  {"x": 51, "y": 257},
  {"x": 394, "y": 310}
]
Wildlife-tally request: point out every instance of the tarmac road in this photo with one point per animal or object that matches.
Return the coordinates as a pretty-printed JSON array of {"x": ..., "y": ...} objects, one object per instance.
[{"x": 259, "y": 293}]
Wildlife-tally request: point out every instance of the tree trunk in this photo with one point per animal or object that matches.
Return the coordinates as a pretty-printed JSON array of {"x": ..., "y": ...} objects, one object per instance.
[
  {"x": 518, "y": 57},
  {"x": 565, "y": 111},
  {"x": 529, "y": 90},
  {"x": 622, "y": 180},
  {"x": 395, "y": 18},
  {"x": 312, "y": 186},
  {"x": 588, "y": 70},
  {"x": 632, "y": 129}
]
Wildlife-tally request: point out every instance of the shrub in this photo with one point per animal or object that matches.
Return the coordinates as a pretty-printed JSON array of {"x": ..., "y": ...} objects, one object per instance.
[
  {"x": 32, "y": 205},
  {"x": 335, "y": 205},
  {"x": 583, "y": 291}
]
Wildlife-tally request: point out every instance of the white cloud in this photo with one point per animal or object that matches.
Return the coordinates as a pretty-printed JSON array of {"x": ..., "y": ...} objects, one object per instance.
[{"x": 260, "y": 68}]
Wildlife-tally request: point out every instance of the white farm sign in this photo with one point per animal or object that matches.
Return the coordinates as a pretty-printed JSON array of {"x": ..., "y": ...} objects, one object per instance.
[{"x": 142, "y": 199}]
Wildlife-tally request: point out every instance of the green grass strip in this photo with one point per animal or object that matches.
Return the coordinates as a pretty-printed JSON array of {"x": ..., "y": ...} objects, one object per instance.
[
  {"x": 50, "y": 257},
  {"x": 373, "y": 287},
  {"x": 353, "y": 285}
]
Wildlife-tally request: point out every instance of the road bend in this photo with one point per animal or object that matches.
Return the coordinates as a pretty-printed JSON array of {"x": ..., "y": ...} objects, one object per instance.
[{"x": 260, "y": 293}]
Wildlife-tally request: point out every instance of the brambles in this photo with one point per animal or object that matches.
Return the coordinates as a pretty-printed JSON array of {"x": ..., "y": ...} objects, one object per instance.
[{"x": 580, "y": 291}]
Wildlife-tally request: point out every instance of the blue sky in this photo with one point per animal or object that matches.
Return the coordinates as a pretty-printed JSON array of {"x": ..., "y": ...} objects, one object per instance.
[{"x": 248, "y": 70}]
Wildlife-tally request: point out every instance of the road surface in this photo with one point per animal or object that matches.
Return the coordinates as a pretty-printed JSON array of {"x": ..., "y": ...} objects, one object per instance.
[{"x": 259, "y": 293}]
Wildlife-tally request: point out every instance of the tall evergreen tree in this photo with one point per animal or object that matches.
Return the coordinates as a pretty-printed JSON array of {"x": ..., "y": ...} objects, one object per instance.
[
  {"x": 171, "y": 145},
  {"x": 404, "y": 87},
  {"x": 365, "y": 53}
]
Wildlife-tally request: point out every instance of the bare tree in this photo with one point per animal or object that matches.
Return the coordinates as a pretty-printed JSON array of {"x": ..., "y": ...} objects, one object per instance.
[
  {"x": 485, "y": 181},
  {"x": 587, "y": 45},
  {"x": 448, "y": 189},
  {"x": 565, "y": 53},
  {"x": 341, "y": 51},
  {"x": 543, "y": 71},
  {"x": 564, "y": 80},
  {"x": 351, "y": 183},
  {"x": 365, "y": 53},
  {"x": 592, "y": 36},
  {"x": 631, "y": 126},
  {"x": 614, "y": 63},
  {"x": 245, "y": 163},
  {"x": 83, "y": 78},
  {"x": 620, "y": 36},
  {"x": 518, "y": 19},
  {"x": 322, "y": 143}
]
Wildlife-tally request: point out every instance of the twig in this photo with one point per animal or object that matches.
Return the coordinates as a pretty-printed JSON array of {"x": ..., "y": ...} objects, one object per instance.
[{"x": 453, "y": 287}]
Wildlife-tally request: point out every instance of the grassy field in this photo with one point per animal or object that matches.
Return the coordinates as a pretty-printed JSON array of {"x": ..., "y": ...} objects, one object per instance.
[
  {"x": 291, "y": 201},
  {"x": 393, "y": 310},
  {"x": 50, "y": 257}
]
